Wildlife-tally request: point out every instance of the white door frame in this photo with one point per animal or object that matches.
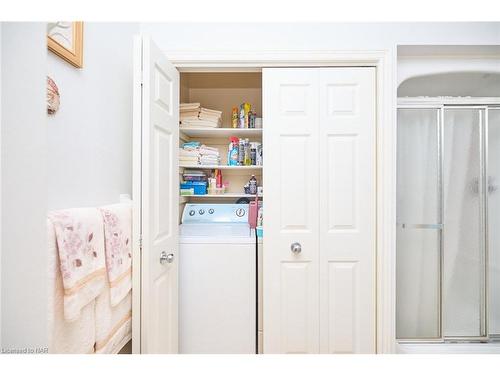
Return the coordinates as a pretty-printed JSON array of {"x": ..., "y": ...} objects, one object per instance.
[{"x": 384, "y": 62}]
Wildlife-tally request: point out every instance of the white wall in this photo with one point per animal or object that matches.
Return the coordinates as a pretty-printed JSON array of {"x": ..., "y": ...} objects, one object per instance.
[
  {"x": 90, "y": 137},
  {"x": 80, "y": 156},
  {"x": 319, "y": 36},
  {"x": 23, "y": 186},
  {"x": 0, "y": 185}
]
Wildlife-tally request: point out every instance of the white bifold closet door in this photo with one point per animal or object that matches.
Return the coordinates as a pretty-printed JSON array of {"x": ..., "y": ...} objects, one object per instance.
[
  {"x": 347, "y": 214},
  {"x": 156, "y": 183},
  {"x": 319, "y": 146},
  {"x": 291, "y": 176}
]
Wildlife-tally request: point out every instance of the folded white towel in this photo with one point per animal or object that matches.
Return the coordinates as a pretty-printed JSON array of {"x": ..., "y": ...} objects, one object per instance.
[
  {"x": 80, "y": 242},
  {"x": 188, "y": 158},
  {"x": 208, "y": 151},
  {"x": 78, "y": 336},
  {"x": 200, "y": 124},
  {"x": 213, "y": 112},
  {"x": 189, "y": 105},
  {"x": 209, "y": 158},
  {"x": 189, "y": 152},
  {"x": 188, "y": 117},
  {"x": 117, "y": 220}
]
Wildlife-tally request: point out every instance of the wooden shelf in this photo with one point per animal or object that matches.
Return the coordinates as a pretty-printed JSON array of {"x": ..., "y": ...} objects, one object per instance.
[
  {"x": 234, "y": 167},
  {"x": 225, "y": 195},
  {"x": 220, "y": 132}
]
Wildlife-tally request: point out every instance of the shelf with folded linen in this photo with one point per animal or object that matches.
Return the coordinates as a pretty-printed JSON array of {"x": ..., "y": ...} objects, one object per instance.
[
  {"x": 193, "y": 154},
  {"x": 195, "y": 116}
]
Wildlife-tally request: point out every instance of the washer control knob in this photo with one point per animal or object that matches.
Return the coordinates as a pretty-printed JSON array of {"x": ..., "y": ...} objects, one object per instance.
[
  {"x": 240, "y": 212},
  {"x": 201, "y": 212},
  {"x": 191, "y": 213},
  {"x": 211, "y": 211}
]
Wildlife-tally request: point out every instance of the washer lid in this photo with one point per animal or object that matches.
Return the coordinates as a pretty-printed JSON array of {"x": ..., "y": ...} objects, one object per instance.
[{"x": 215, "y": 230}]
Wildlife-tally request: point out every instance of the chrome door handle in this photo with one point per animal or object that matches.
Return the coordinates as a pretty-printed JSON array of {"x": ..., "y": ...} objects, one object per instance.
[
  {"x": 166, "y": 258},
  {"x": 296, "y": 248}
]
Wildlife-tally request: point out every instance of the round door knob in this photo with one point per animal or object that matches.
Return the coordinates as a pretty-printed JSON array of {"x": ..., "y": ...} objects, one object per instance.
[
  {"x": 166, "y": 258},
  {"x": 296, "y": 248}
]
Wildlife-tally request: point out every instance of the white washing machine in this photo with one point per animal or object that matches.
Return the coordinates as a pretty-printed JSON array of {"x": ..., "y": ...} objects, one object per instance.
[{"x": 217, "y": 280}]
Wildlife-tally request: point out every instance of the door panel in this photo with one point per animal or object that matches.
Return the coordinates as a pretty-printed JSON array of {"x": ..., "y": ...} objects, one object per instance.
[
  {"x": 342, "y": 291},
  {"x": 494, "y": 220},
  {"x": 418, "y": 236},
  {"x": 156, "y": 181},
  {"x": 294, "y": 314},
  {"x": 463, "y": 246},
  {"x": 347, "y": 216},
  {"x": 290, "y": 109}
]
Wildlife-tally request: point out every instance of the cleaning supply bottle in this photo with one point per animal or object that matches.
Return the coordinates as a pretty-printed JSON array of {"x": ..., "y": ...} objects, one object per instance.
[
  {"x": 260, "y": 217},
  {"x": 247, "y": 158},
  {"x": 253, "y": 185},
  {"x": 242, "y": 117},
  {"x": 218, "y": 177},
  {"x": 253, "y": 153},
  {"x": 229, "y": 151},
  {"x": 241, "y": 152},
  {"x": 234, "y": 117},
  {"x": 232, "y": 158},
  {"x": 247, "y": 108}
]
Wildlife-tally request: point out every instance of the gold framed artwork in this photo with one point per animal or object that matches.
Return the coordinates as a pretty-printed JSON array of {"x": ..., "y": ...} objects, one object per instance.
[{"x": 65, "y": 39}]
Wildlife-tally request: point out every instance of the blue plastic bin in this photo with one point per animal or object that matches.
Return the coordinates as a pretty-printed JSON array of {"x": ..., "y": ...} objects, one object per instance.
[{"x": 200, "y": 187}]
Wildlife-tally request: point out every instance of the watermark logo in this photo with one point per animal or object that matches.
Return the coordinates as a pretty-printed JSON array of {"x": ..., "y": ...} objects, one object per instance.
[{"x": 40, "y": 350}]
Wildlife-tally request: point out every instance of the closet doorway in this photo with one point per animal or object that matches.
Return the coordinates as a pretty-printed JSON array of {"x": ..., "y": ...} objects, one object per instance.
[{"x": 148, "y": 303}]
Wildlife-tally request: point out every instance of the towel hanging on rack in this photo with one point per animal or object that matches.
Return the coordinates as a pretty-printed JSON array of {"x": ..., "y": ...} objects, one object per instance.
[{"x": 80, "y": 242}]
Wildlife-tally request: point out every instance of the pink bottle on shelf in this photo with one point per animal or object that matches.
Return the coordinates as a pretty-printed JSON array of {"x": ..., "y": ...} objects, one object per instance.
[{"x": 253, "y": 208}]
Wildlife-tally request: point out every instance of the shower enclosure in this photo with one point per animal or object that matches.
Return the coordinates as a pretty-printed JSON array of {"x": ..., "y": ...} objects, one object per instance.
[{"x": 448, "y": 220}]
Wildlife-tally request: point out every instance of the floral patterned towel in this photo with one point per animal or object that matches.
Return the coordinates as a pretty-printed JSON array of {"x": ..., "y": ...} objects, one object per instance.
[
  {"x": 80, "y": 243},
  {"x": 118, "y": 249}
]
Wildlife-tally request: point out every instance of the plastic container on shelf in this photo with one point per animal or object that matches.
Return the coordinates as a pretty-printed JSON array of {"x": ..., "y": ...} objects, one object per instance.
[
  {"x": 187, "y": 191},
  {"x": 216, "y": 190},
  {"x": 259, "y": 231},
  {"x": 220, "y": 190},
  {"x": 199, "y": 187}
]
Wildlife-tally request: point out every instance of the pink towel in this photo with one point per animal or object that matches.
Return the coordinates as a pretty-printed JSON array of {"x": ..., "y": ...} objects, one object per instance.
[
  {"x": 80, "y": 242},
  {"x": 117, "y": 220}
]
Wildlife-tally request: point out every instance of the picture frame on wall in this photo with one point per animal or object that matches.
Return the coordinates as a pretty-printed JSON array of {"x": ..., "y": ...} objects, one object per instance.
[{"x": 65, "y": 39}]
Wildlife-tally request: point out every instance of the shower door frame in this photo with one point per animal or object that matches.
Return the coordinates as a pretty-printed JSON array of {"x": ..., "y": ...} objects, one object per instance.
[{"x": 440, "y": 104}]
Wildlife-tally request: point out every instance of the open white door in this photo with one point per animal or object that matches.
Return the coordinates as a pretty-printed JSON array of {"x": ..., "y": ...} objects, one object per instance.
[{"x": 156, "y": 181}]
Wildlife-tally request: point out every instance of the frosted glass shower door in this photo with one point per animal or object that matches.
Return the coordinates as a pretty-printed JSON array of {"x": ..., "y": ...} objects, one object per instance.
[
  {"x": 419, "y": 223},
  {"x": 463, "y": 240},
  {"x": 494, "y": 220}
]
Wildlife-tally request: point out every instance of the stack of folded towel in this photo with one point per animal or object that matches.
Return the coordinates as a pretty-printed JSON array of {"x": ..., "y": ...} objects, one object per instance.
[
  {"x": 189, "y": 111},
  {"x": 194, "y": 154},
  {"x": 211, "y": 116},
  {"x": 189, "y": 154},
  {"x": 209, "y": 155},
  {"x": 192, "y": 115}
]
